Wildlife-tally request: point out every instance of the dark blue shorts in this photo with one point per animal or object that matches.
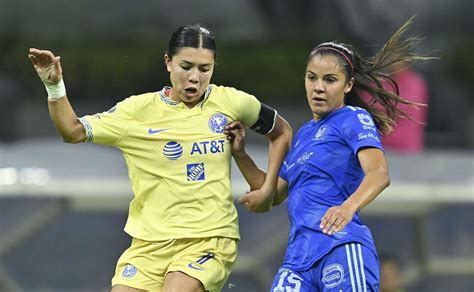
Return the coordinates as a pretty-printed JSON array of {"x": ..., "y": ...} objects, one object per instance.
[{"x": 348, "y": 267}]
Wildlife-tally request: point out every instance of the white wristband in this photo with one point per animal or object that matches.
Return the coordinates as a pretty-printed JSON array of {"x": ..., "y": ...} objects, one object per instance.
[{"x": 56, "y": 91}]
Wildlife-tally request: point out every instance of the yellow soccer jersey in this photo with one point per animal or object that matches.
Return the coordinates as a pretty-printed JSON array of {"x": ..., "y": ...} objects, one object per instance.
[{"x": 178, "y": 160}]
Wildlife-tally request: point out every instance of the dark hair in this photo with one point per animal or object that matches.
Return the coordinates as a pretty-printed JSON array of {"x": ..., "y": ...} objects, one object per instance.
[
  {"x": 192, "y": 36},
  {"x": 368, "y": 75}
]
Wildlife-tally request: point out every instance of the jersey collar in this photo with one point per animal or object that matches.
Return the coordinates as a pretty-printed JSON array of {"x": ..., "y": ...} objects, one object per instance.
[{"x": 165, "y": 92}]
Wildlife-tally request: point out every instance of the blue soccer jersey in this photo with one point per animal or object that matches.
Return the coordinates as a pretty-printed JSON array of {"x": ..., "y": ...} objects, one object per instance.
[{"x": 322, "y": 170}]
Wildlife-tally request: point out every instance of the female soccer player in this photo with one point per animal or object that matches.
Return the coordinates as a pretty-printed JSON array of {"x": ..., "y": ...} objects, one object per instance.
[
  {"x": 182, "y": 220},
  {"x": 334, "y": 168}
]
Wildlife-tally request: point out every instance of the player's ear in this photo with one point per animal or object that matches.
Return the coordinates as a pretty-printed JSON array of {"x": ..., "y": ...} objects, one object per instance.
[
  {"x": 349, "y": 85},
  {"x": 167, "y": 62}
]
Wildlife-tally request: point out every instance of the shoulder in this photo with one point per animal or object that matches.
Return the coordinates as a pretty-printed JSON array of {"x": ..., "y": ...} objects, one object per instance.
[
  {"x": 307, "y": 124},
  {"x": 142, "y": 98},
  {"x": 352, "y": 112},
  {"x": 304, "y": 127},
  {"x": 351, "y": 117},
  {"x": 134, "y": 105},
  {"x": 226, "y": 91},
  {"x": 230, "y": 97},
  {"x": 138, "y": 101}
]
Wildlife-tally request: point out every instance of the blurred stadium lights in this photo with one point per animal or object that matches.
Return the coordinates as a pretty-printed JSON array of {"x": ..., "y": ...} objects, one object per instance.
[{"x": 25, "y": 176}]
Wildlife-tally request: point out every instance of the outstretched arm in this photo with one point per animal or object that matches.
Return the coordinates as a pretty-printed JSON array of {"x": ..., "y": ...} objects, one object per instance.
[
  {"x": 266, "y": 188},
  {"x": 376, "y": 179},
  {"x": 49, "y": 69}
]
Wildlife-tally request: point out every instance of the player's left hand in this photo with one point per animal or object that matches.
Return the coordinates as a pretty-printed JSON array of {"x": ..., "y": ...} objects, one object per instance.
[{"x": 336, "y": 218}]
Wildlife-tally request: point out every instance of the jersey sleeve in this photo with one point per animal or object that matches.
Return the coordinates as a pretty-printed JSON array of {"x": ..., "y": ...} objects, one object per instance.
[
  {"x": 248, "y": 107},
  {"x": 284, "y": 167},
  {"x": 360, "y": 131},
  {"x": 109, "y": 126},
  {"x": 251, "y": 112},
  {"x": 283, "y": 173}
]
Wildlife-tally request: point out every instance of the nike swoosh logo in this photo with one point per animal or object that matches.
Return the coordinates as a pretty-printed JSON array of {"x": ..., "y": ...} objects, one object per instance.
[
  {"x": 151, "y": 131},
  {"x": 196, "y": 268}
]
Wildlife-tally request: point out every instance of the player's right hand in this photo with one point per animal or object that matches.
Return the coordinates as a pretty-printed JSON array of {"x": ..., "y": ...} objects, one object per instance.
[
  {"x": 258, "y": 201},
  {"x": 47, "y": 65}
]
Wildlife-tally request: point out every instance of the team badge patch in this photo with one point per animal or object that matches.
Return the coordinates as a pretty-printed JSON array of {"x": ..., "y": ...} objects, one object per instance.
[
  {"x": 172, "y": 150},
  {"x": 320, "y": 134},
  {"x": 195, "y": 172},
  {"x": 333, "y": 275},
  {"x": 217, "y": 122},
  {"x": 129, "y": 271}
]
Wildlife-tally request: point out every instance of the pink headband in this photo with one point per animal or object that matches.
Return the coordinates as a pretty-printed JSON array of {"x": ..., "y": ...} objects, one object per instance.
[{"x": 336, "y": 50}]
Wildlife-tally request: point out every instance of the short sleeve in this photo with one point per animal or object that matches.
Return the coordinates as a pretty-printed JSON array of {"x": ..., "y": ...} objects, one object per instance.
[
  {"x": 109, "y": 126},
  {"x": 248, "y": 107},
  {"x": 360, "y": 131},
  {"x": 283, "y": 173}
]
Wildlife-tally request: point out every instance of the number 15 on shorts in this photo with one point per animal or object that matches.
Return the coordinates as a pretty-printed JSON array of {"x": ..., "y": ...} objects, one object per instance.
[{"x": 287, "y": 281}]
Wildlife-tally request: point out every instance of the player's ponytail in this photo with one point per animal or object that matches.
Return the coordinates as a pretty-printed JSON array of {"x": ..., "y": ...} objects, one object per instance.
[{"x": 369, "y": 76}]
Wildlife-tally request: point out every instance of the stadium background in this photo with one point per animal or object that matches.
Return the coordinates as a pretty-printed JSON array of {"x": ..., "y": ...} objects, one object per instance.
[{"x": 63, "y": 207}]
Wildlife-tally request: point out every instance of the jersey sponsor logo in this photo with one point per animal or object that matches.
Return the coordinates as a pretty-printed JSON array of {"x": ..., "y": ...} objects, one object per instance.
[
  {"x": 195, "y": 172},
  {"x": 172, "y": 150},
  {"x": 365, "y": 127},
  {"x": 333, "y": 275},
  {"x": 129, "y": 271},
  {"x": 320, "y": 134},
  {"x": 365, "y": 119},
  {"x": 305, "y": 156},
  {"x": 217, "y": 122},
  {"x": 369, "y": 135},
  {"x": 152, "y": 131},
  {"x": 205, "y": 147}
]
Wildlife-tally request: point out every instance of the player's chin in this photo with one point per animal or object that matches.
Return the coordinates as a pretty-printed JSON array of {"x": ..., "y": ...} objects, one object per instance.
[{"x": 318, "y": 110}]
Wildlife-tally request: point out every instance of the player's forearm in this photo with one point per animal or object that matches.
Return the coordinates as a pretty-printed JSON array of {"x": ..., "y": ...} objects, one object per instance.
[
  {"x": 65, "y": 120},
  {"x": 281, "y": 193},
  {"x": 254, "y": 176},
  {"x": 280, "y": 139},
  {"x": 372, "y": 185}
]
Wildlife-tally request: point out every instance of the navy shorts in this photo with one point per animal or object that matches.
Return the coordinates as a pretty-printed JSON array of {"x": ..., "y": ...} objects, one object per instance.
[{"x": 348, "y": 267}]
